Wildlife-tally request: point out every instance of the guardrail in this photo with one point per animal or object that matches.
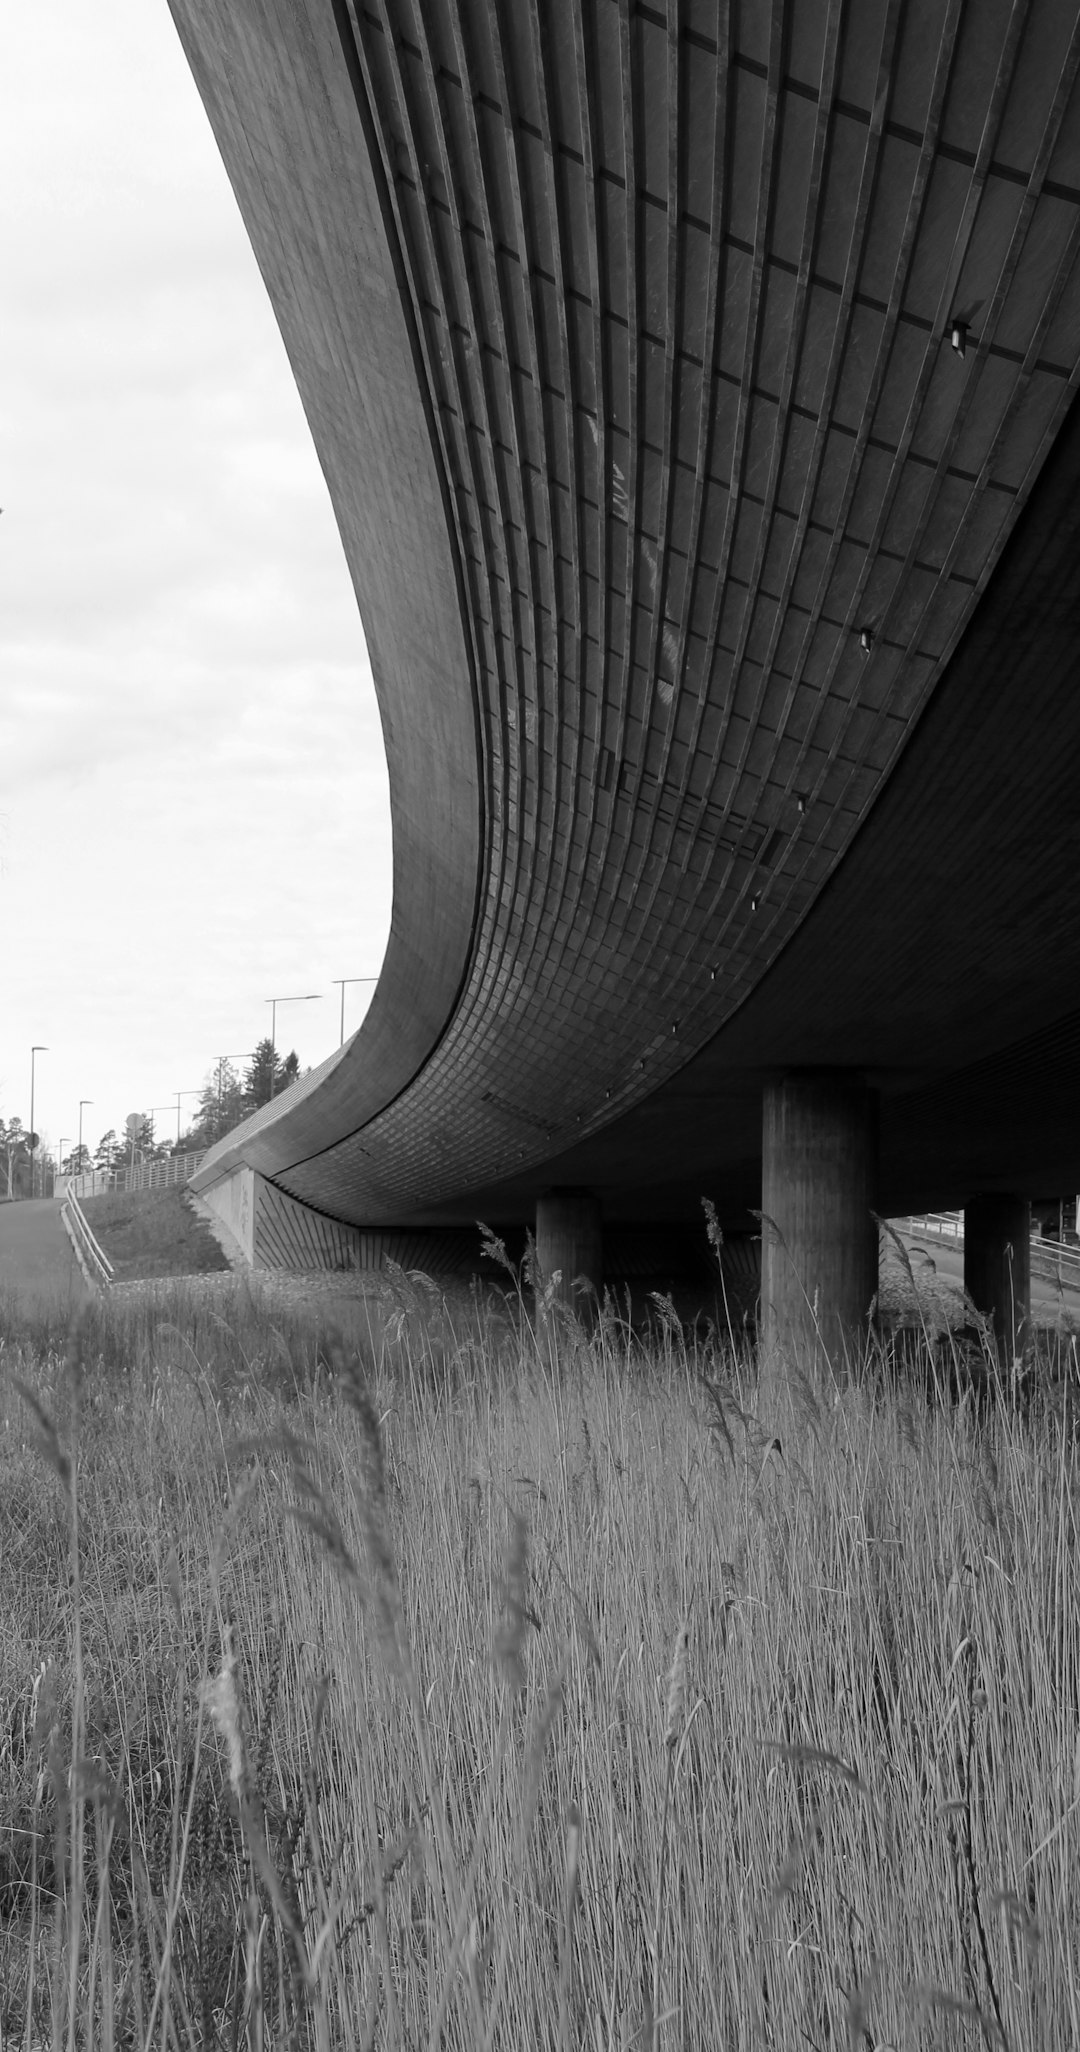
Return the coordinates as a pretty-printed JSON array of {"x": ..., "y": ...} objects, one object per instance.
[
  {"x": 95, "y": 1264},
  {"x": 1051, "y": 1260},
  {"x": 933, "y": 1225},
  {"x": 149, "y": 1175}
]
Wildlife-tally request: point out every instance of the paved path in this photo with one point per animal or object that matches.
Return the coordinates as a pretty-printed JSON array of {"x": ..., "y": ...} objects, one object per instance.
[
  {"x": 36, "y": 1261},
  {"x": 938, "y": 1266}
]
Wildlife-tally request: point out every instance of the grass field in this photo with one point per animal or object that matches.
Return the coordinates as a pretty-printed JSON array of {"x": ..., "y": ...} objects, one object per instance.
[
  {"x": 152, "y": 1233},
  {"x": 454, "y": 1686}
]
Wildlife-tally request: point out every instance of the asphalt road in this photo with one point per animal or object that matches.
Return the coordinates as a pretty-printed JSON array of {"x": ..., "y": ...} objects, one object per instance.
[{"x": 37, "y": 1264}]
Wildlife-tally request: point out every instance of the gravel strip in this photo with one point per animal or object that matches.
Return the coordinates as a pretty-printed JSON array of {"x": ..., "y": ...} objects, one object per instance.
[{"x": 275, "y": 1286}]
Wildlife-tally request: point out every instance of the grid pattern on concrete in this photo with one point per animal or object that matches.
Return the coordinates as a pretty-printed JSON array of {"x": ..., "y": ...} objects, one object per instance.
[{"x": 741, "y": 356}]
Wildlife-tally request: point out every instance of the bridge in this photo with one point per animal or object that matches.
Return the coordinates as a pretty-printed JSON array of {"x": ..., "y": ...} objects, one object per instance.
[{"x": 694, "y": 386}]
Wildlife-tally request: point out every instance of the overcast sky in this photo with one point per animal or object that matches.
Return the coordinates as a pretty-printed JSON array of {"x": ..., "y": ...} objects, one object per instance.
[{"x": 193, "y": 808}]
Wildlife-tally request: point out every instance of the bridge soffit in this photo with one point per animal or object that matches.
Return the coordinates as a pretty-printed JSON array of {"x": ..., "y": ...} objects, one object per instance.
[{"x": 744, "y": 336}]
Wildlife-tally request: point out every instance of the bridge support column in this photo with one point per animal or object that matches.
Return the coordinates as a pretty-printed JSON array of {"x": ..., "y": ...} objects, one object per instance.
[
  {"x": 997, "y": 1266},
  {"x": 569, "y": 1238},
  {"x": 819, "y": 1242}
]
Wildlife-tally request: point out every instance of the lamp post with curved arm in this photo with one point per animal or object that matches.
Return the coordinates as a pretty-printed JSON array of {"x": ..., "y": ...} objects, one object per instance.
[
  {"x": 343, "y": 980},
  {"x": 150, "y": 1115},
  {"x": 38, "y": 1048},
  {"x": 190, "y": 1092},
  {"x": 308, "y": 998}
]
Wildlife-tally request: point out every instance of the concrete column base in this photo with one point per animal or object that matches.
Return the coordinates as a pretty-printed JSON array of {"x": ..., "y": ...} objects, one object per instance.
[
  {"x": 569, "y": 1239},
  {"x": 997, "y": 1266},
  {"x": 819, "y": 1241}
]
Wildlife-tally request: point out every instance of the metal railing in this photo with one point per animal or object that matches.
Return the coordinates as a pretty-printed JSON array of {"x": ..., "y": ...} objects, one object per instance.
[
  {"x": 1051, "y": 1260},
  {"x": 95, "y": 1264},
  {"x": 147, "y": 1175},
  {"x": 933, "y": 1225}
]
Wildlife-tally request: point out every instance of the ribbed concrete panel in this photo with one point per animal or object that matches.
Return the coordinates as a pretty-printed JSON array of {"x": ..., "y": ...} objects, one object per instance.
[
  {"x": 732, "y": 342},
  {"x": 289, "y": 1235}
]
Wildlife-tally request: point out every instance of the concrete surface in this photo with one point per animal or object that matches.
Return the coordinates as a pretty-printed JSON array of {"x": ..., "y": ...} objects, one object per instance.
[
  {"x": 37, "y": 1264},
  {"x": 722, "y": 611}
]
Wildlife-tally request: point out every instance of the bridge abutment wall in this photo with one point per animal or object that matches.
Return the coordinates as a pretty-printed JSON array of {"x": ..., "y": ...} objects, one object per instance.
[
  {"x": 261, "y": 1226},
  {"x": 229, "y": 1207}
]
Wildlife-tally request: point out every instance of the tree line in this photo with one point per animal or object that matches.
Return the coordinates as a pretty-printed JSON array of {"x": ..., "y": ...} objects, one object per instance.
[{"x": 228, "y": 1096}]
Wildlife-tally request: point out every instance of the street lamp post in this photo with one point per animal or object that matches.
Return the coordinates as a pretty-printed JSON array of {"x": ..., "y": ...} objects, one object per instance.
[
  {"x": 155, "y": 1108},
  {"x": 38, "y": 1048},
  {"x": 343, "y": 980},
  {"x": 308, "y": 998},
  {"x": 82, "y": 1101},
  {"x": 179, "y": 1095}
]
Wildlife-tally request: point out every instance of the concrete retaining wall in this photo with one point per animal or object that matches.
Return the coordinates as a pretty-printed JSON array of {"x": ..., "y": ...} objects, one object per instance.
[
  {"x": 260, "y": 1226},
  {"x": 232, "y": 1203}
]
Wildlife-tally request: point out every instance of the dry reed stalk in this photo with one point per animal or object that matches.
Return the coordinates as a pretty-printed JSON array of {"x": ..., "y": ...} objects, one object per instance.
[
  {"x": 509, "y": 1648},
  {"x": 571, "y": 1884},
  {"x": 534, "y": 1762},
  {"x": 842, "y": 1627},
  {"x": 674, "y": 1726},
  {"x": 222, "y": 1702}
]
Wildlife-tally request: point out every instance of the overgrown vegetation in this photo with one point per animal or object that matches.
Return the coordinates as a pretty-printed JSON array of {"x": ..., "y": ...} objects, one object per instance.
[{"x": 469, "y": 1684}]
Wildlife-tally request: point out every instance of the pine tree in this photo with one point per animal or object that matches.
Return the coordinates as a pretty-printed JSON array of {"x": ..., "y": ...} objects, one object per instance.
[
  {"x": 107, "y": 1150},
  {"x": 14, "y": 1145},
  {"x": 268, "y": 1074},
  {"x": 221, "y": 1104}
]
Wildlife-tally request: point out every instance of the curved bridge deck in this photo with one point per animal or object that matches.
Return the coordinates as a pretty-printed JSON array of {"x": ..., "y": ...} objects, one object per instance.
[{"x": 694, "y": 386}]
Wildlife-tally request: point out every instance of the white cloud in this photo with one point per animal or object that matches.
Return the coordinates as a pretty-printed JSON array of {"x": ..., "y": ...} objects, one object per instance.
[{"x": 193, "y": 810}]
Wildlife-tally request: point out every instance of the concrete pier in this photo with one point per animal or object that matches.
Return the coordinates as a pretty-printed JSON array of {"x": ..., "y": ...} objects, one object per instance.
[
  {"x": 569, "y": 1238},
  {"x": 997, "y": 1266},
  {"x": 819, "y": 1253}
]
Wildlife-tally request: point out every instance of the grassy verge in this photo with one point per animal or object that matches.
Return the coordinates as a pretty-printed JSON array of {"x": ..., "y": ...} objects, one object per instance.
[
  {"x": 449, "y": 1686},
  {"x": 152, "y": 1233}
]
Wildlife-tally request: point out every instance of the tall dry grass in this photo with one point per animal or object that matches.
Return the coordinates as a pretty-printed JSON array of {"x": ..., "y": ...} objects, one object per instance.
[{"x": 467, "y": 1685}]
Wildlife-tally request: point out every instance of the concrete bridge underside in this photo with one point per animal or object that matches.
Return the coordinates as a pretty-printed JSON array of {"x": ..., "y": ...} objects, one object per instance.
[{"x": 694, "y": 388}]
